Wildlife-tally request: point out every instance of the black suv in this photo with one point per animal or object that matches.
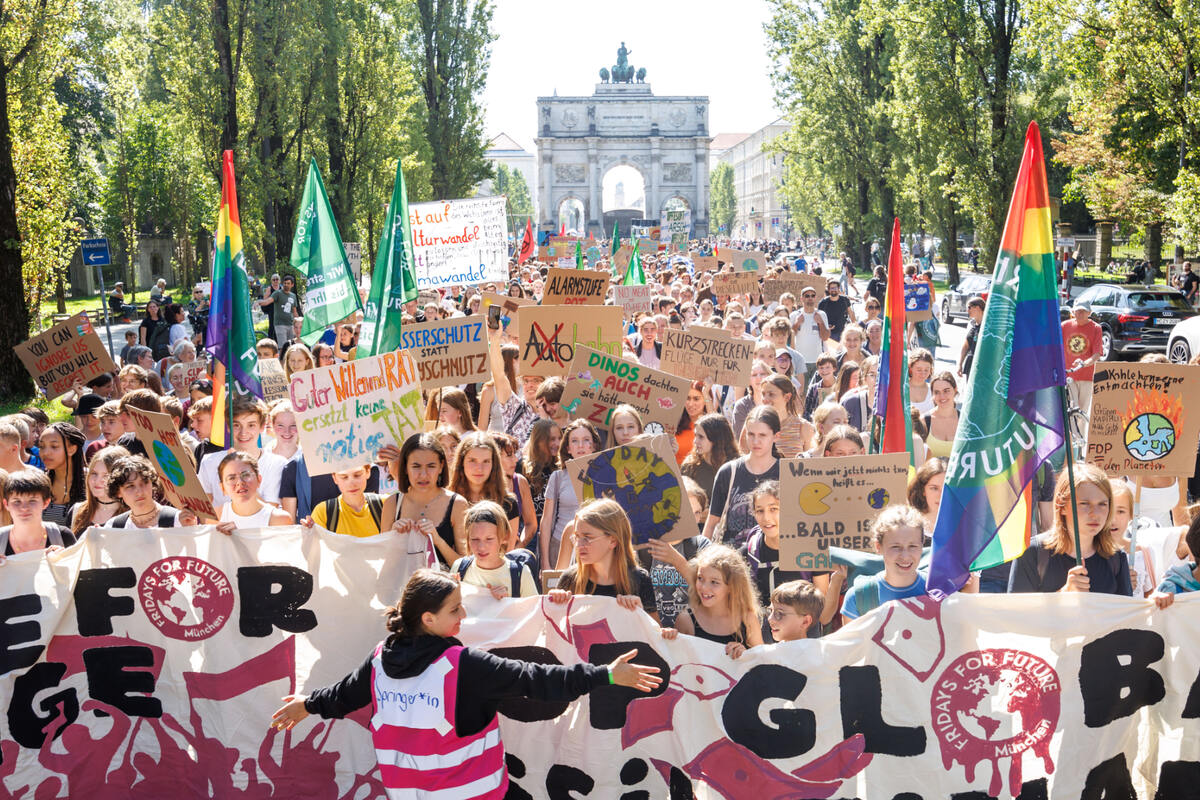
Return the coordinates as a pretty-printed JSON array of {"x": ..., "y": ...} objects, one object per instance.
[
  {"x": 954, "y": 299},
  {"x": 1134, "y": 319}
]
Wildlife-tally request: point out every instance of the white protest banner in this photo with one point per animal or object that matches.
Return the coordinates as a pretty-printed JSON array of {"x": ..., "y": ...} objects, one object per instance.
[
  {"x": 677, "y": 226},
  {"x": 634, "y": 299},
  {"x": 171, "y": 459},
  {"x": 450, "y": 351},
  {"x": 701, "y": 352},
  {"x": 167, "y": 651},
  {"x": 459, "y": 242},
  {"x": 185, "y": 640},
  {"x": 348, "y": 412},
  {"x": 832, "y": 502},
  {"x": 68, "y": 352},
  {"x": 273, "y": 378},
  {"x": 354, "y": 257},
  {"x": 566, "y": 262},
  {"x": 1140, "y": 422}
]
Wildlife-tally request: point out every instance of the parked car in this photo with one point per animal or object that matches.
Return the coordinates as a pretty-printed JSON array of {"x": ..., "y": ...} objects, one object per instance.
[
  {"x": 1184, "y": 342},
  {"x": 954, "y": 299},
  {"x": 1134, "y": 319}
]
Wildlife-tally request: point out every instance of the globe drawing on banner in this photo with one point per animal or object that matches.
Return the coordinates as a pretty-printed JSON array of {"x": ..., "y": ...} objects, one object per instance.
[
  {"x": 643, "y": 484},
  {"x": 170, "y": 465},
  {"x": 878, "y": 498},
  {"x": 1151, "y": 423}
]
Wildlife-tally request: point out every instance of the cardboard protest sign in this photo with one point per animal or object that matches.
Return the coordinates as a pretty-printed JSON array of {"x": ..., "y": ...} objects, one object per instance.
[
  {"x": 594, "y": 255},
  {"x": 449, "y": 352},
  {"x": 565, "y": 262},
  {"x": 575, "y": 287},
  {"x": 831, "y": 502},
  {"x": 634, "y": 299},
  {"x": 727, "y": 283},
  {"x": 701, "y": 352},
  {"x": 677, "y": 226},
  {"x": 704, "y": 263},
  {"x": 598, "y": 382},
  {"x": 500, "y": 309},
  {"x": 274, "y": 379},
  {"x": 1140, "y": 424},
  {"x": 744, "y": 260},
  {"x": 547, "y": 335},
  {"x": 917, "y": 302},
  {"x": 68, "y": 352},
  {"x": 621, "y": 259},
  {"x": 794, "y": 282},
  {"x": 348, "y": 412},
  {"x": 564, "y": 245},
  {"x": 545, "y": 254},
  {"x": 194, "y": 370},
  {"x": 459, "y": 242},
  {"x": 172, "y": 462},
  {"x": 644, "y": 478}
]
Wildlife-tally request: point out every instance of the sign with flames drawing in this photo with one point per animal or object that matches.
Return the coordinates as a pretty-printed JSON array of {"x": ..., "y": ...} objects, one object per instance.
[
  {"x": 146, "y": 664},
  {"x": 1140, "y": 423}
]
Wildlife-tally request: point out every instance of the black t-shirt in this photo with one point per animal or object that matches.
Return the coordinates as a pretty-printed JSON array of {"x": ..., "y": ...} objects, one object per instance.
[
  {"x": 837, "y": 312},
  {"x": 731, "y": 496},
  {"x": 68, "y": 538},
  {"x": 644, "y": 588},
  {"x": 1105, "y": 575},
  {"x": 878, "y": 289},
  {"x": 765, "y": 571},
  {"x": 133, "y": 444},
  {"x": 972, "y": 340},
  {"x": 1190, "y": 281}
]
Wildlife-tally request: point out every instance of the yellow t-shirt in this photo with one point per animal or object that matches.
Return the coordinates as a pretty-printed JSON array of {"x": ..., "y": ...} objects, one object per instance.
[
  {"x": 350, "y": 522},
  {"x": 477, "y": 576}
]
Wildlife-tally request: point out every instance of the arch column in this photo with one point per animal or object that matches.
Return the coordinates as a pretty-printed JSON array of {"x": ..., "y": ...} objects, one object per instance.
[
  {"x": 592, "y": 214},
  {"x": 654, "y": 197}
]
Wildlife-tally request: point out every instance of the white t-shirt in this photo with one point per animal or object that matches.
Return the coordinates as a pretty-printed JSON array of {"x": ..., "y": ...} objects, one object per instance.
[
  {"x": 477, "y": 576},
  {"x": 259, "y": 519},
  {"x": 807, "y": 338},
  {"x": 270, "y": 470}
]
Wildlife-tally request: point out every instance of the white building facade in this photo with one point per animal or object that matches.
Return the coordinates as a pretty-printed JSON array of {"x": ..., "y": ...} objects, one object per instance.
[{"x": 757, "y": 180}]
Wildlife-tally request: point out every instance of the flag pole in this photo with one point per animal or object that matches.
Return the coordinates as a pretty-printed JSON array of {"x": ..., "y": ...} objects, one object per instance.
[{"x": 1062, "y": 397}]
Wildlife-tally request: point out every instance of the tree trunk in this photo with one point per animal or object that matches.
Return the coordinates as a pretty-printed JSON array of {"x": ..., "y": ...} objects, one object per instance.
[
  {"x": 1153, "y": 246},
  {"x": 860, "y": 229},
  {"x": 221, "y": 43},
  {"x": 15, "y": 382}
]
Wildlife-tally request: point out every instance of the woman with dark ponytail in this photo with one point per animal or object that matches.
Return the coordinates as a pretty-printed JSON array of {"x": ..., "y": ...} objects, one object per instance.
[{"x": 422, "y": 658}]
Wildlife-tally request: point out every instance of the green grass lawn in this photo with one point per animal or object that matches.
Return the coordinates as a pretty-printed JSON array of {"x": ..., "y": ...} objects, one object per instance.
[{"x": 54, "y": 409}]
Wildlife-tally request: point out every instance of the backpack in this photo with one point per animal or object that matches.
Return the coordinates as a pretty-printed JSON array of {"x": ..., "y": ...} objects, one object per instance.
[
  {"x": 159, "y": 340},
  {"x": 516, "y": 560},
  {"x": 333, "y": 511},
  {"x": 53, "y": 536},
  {"x": 166, "y": 518}
]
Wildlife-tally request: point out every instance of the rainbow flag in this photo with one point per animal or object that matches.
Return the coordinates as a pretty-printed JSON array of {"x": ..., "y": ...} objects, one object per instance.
[
  {"x": 231, "y": 337},
  {"x": 894, "y": 434},
  {"x": 1013, "y": 418}
]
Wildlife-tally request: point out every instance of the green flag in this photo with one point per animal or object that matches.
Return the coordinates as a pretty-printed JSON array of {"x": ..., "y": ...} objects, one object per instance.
[
  {"x": 616, "y": 241},
  {"x": 318, "y": 254},
  {"x": 394, "y": 279},
  {"x": 578, "y": 255},
  {"x": 634, "y": 276}
]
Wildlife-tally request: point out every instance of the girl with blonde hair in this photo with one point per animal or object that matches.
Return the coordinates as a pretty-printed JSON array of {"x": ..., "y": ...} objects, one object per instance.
[{"x": 723, "y": 605}]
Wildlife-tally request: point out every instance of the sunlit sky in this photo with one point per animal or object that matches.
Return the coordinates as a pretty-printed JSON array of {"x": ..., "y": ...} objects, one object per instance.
[{"x": 702, "y": 47}]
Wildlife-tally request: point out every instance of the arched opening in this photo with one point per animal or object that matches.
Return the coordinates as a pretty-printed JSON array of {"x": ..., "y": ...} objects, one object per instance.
[
  {"x": 623, "y": 198},
  {"x": 571, "y": 216},
  {"x": 674, "y": 202}
]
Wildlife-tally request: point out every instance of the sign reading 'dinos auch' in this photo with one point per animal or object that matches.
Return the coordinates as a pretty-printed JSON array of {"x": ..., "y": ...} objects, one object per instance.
[
  {"x": 348, "y": 412},
  {"x": 547, "y": 335},
  {"x": 449, "y": 352},
  {"x": 700, "y": 352},
  {"x": 598, "y": 383},
  {"x": 575, "y": 287}
]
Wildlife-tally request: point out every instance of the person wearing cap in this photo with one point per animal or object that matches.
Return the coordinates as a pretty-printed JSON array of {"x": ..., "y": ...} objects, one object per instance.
[
  {"x": 811, "y": 330},
  {"x": 116, "y": 301},
  {"x": 85, "y": 417},
  {"x": 267, "y": 302},
  {"x": 1082, "y": 348}
]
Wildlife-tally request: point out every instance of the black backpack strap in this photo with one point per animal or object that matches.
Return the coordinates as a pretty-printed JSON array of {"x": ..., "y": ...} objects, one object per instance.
[
  {"x": 167, "y": 517},
  {"x": 53, "y": 535},
  {"x": 333, "y": 513},
  {"x": 464, "y": 564},
  {"x": 375, "y": 506},
  {"x": 120, "y": 520},
  {"x": 515, "y": 569}
]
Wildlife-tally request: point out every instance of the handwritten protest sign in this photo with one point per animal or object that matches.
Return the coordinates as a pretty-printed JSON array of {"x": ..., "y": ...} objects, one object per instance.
[
  {"x": 704, "y": 263},
  {"x": 594, "y": 255},
  {"x": 726, "y": 283},
  {"x": 354, "y": 259},
  {"x": 1140, "y": 423},
  {"x": 700, "y": 352},
  {"x": 831, "y": 502},
  {"x": 746, "y": 260},
  {"x": 917, "y": 302},
  {"x": 500, "y": 309},
  {"x": 172, "y": 462},
  {"x": 644, "y": 478},
  {"x": 194, "y": 370},
  {"x": 274, "y": 379},
  {"x": 795, "y": 283},
  {"x": 677, "y": 226},
  {"x": 565, "y": 262},
  {"x": 448, "y": 352},
  {"x": 634, "y": 299},
  {"x": 564, "y": 245},
  {"x": 621, "y": 259},
  {"x": 459, "y": 242},
  {"x": 547, "y": 335},
  {"x": 348, "y": 412},
  {"x": 70, "y": 351},
  {"x": 575, "y": 287},
  {"x": 598, "y": 382}
]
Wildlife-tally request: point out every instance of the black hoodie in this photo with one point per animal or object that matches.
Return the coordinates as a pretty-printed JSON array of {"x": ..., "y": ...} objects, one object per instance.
[{"x": 484, "y": 680}]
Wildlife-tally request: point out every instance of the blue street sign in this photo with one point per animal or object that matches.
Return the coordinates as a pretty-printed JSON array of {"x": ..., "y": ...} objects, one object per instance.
[{"x": 95, "y": 252}]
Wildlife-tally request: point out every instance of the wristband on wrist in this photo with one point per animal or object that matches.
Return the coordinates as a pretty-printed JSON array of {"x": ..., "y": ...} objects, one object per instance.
[{"x": 612, "y": 680}]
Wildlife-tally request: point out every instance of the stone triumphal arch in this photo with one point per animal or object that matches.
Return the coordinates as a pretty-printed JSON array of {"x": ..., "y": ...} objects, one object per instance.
[{"x": 580, "y": 139}]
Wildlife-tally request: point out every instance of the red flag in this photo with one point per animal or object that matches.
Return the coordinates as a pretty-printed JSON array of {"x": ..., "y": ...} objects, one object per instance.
[
  {"x": 562, "y": 229},
  {"x": 591, "y": 236},
  {"x": 527, "y": 246}
]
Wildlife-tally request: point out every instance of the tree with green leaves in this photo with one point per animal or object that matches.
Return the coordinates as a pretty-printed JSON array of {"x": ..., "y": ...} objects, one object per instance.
[
  {"x": 512, "y": 184},
  {"x": 722, "y": 198},
  {"x": 452, "y": 47}
]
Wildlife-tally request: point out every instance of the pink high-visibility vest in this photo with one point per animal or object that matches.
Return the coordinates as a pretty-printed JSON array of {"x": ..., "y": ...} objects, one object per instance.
[{"x": 420, "y": 756}]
